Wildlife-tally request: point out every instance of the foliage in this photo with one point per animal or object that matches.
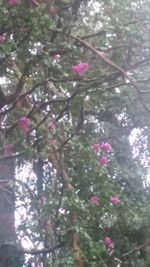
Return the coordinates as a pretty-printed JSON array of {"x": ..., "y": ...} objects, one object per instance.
[{"x": 53, "y": 111}]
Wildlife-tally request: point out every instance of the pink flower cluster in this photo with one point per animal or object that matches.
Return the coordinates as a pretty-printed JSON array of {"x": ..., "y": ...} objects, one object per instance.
[
  {"x": 103, "y": 160},
  {"x": 95, "y": 200},
  {"x": 80, "y": 68},
  {"x": 24, "y": 123},
  {"x": 104, "y": 147},
  {"x": 115, "y": 200},
  {"x": 2, "y": 39},
  {"x": 109, "y": 243}
]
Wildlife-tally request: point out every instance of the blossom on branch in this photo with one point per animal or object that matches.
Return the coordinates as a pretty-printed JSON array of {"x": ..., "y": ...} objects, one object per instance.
[
  {"x": 24, "y": 123},
  {"x": 95, "y": 200},
  {"x": 106, "y": 147},
  {"x": 80, "y": 68},
  {"x": 109, "y": 243},
  {"x": 115, "y": 200},
  {"x": 103, "y": 160}
]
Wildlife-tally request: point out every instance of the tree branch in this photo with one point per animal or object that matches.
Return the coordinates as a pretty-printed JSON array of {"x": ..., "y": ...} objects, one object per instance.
[{"x": 136, "y": 249}]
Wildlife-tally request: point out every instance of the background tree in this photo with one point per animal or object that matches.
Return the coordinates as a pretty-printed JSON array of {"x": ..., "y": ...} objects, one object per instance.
[{"x": 74, "y": 116}]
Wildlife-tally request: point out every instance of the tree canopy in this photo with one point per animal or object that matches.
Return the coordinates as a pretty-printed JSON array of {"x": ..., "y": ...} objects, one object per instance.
[{"x": 75, "y": 133}]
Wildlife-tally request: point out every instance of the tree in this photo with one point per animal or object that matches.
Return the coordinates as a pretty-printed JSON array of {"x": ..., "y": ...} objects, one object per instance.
[{"x": 74, "y": 89}]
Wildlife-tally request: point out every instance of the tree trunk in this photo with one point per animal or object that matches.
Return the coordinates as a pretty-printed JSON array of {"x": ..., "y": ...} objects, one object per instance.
[
  {"x": 9, "y": 255},
  {"x": 76, "y": 241},
  {"x": 7, "y": 201}
]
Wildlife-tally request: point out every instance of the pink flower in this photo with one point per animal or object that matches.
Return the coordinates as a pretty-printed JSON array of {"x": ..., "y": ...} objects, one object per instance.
[
  {"x": 57, "y": 57},
  {"x": 52, "y": 126},
  {"x": 115, "y": 200},
  {"x": 13, "y": 2},
  {"x": 80, "y": 68},
  {"x": 96, "y": 147},
  {"x": 95, "y": 200},
  {"x": 24, "y": 123},
  {"x": 108, "y": 242},
  {"x": 2, "y": 39},
  {"x": 9, "y": 148},
  {"x": 103, "y": 160},
  {"x": 106, "y": 147}
]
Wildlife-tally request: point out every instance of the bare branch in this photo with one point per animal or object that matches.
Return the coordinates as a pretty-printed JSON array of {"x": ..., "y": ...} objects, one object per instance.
[{"x": 136, "y": 249}]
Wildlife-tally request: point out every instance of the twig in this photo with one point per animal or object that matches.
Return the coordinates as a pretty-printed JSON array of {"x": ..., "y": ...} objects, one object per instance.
[
  {"x": 12, "y": 156},
  {"x": 136, "y": 249},
  {"x": 93, "y": 35}
]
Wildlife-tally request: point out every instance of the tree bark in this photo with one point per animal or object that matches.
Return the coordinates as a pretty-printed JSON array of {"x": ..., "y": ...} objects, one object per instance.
[
  {"x": 9, "y": 255},
  {"x": 75, "y": 238},
  {"x": 7, "y": 201}
]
